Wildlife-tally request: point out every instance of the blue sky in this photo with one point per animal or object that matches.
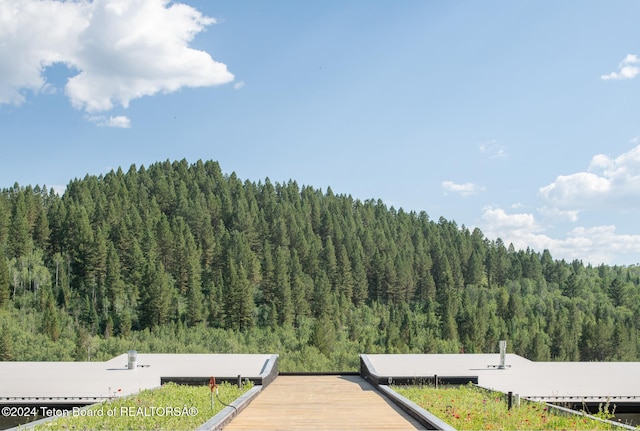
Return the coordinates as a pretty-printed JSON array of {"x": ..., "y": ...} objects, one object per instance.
[{"x": 520, "y": 118}]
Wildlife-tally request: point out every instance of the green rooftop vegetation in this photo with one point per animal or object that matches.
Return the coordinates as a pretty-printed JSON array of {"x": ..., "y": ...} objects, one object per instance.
[
  {"x": 472, "y": 408},
  {"x": 171, "y": 407}
]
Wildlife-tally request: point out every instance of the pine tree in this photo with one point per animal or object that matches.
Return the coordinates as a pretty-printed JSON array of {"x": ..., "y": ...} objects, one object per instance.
[
  {"x": 5, "y": 218},
  {"x": 195, "y": 304},
  {"x": 344, "y": 283},
  {"x": 283, "y": 286},
  {"x": 4, "y": 279},
  {"x": 19, "y": 242},
  {"x": 329, "y": 261},
  {"x": 108, "y": 327},
  {"x": 268, "y": 284},
  {"x": 41, "y": 231},
  {"x": 81, "y": 242},
  {"x": 156, "y": 295},
  {"x": 475, "y": 269},
  {"x": 50, "y": 320},
  {"x": 240, "y": 305},
  {"x": 618, "y": 292},
  {"x": 83, "y": 345},
  {"x": 359, "y": 276},
  {"x": 321, "y": 296},
  {"x": 497, "y": 264},
  {"x": 113, "y": 280},
  {"x": 98, "y": 271},
  {"x": 325, "y": 335},
  {"x": 125, "y": 324},
  {"x": 6, "y": 343},
  {"x": 301, "y": 289},
  {"x": 192, "y": 273}
]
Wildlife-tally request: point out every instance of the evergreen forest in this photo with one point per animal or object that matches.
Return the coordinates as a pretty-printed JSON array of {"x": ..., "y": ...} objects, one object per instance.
[{"x": 179, "y": 257}]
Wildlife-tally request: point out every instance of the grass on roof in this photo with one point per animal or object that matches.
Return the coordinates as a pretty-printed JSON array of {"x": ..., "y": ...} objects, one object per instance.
[
  {"x": 472, "y": 408},
  {"x": 170, "y": 407}
]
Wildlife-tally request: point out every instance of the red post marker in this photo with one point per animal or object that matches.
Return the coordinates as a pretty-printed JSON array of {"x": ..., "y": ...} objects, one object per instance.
[{"x": 212, "y": 384}]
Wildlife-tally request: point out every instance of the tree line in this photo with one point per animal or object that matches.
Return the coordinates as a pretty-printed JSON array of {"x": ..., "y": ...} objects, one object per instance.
[{"x": 175, "y": 249}]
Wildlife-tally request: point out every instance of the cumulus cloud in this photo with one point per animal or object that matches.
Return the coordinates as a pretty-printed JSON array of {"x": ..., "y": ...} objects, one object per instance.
[
  {"x": 601, "y": 244},
  {"x": 627, "y": 69},
  {"x": 609, "y": 182},
  {"x": 464, "y": 190},
  {"x": 119, "y": 121},
  {"x": 493, "y": 150},
  {"x": 121, "y": 50},
  {"x": 598, "y": 244},
  {"x": 34, "y": 35},
  {"x": 558, "y": 214},
  {"x": 238, "y": 85},
  {"x": 579, "y": 191},
  {"x": 496, "y": 220}
]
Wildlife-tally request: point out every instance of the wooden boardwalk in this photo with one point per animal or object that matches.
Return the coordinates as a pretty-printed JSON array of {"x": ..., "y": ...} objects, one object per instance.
[{"x": 322, "y": 403}]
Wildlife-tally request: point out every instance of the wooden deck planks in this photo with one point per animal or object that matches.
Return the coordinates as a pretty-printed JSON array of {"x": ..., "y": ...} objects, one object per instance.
[{"x": 321, "y": 403}]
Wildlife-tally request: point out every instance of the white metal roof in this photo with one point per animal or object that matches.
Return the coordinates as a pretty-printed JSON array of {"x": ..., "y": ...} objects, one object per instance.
[
  {"x": 550, "y": 381},
  {"x": 39, "y": 381}
]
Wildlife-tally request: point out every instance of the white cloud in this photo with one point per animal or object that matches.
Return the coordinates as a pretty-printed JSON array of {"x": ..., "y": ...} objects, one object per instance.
[
  {"x": 627, "y": 69},
  {"x": 238, "y": 85},
  {"x": 122, "y": 50},
  {"x": 496, "y": 219},
  {"x": 119, "y": 121},
  {"x": 599, "y": 244},
  {"x": 466, "y": 189},
  {"x": 558, "y": 214},
  {"x": 578, "y": 191},
  {"x": 493, "y": 150},
  {"x": 34, "y": 35},
  {"x": 608, "y": 183}
]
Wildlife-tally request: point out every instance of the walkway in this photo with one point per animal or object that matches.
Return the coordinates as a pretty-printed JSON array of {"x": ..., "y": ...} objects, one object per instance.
[{"x": 321, "y": 402}]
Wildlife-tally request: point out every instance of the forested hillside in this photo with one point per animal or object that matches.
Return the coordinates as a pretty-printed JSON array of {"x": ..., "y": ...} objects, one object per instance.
[{"x": 179, "y": 257}]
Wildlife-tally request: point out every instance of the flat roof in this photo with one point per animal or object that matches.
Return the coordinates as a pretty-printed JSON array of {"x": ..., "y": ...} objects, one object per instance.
[
  {"x": 68, "y": 382},
  {"x": 548, "y": 381}
]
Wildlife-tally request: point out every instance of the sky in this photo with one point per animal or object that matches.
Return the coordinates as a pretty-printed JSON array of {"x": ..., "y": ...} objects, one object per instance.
[{"x": 519, "y": 118}]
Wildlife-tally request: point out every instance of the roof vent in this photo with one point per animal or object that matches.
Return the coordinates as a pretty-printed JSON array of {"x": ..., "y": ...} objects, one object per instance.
[
  {"x": 133, "y": 360},
  {"x": 503, "y": 354},
  {"x": 503, "y": 357}
]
